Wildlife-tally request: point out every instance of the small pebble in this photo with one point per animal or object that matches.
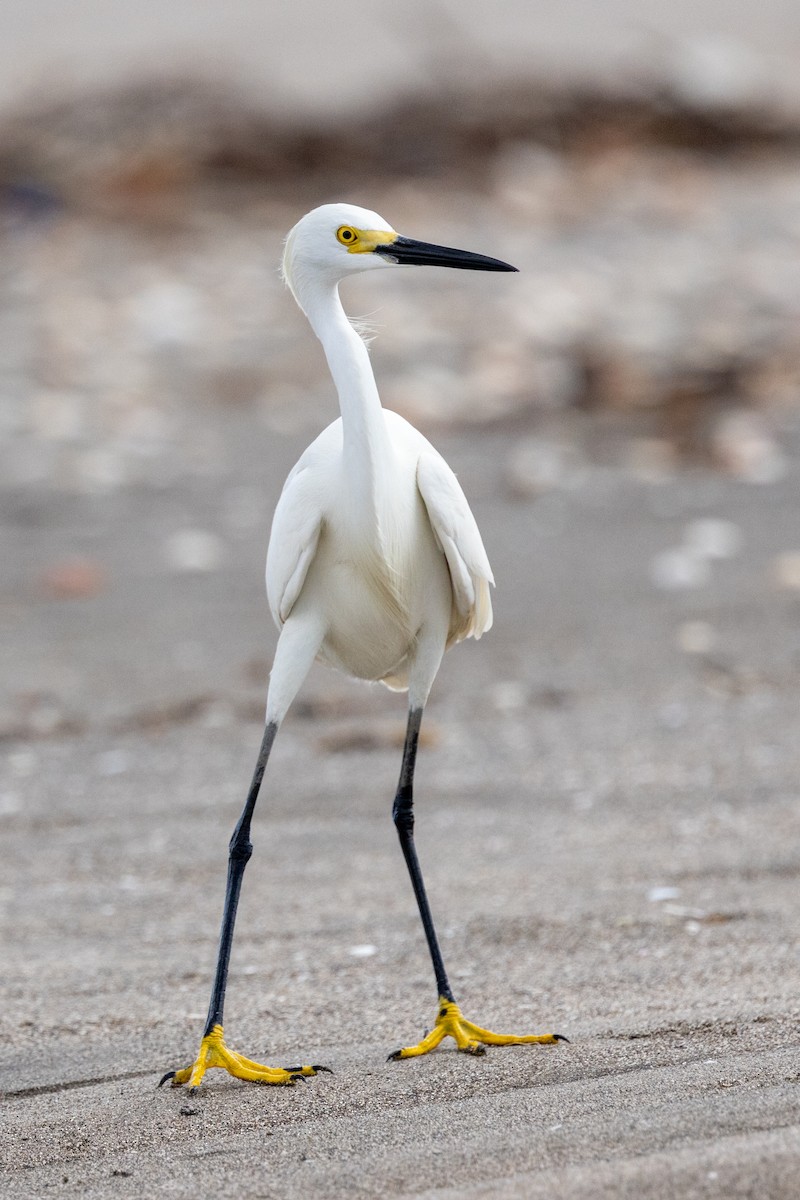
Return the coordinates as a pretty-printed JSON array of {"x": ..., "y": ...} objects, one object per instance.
[
  {"x": 695, "y": 637},
  {"x": 713, "y": 537},
  {"x": 194, "y": 550},
  {"x": 658, "y": 894},
  {"x": 74, "y": 579},
  {"x": 10, "y": 803},
  {"x": 713, "y": 70},
  {"x": 679, "y": 569},
  {"x": 786, "y": 569},
  {"x": 509, "y": 696},
  {"x": 674, "y": 715},
  {"x": 743, "y": 446},
  {"x": 112, "y": 762}
]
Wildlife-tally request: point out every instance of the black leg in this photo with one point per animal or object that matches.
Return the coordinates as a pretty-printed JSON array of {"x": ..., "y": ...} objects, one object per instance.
[
  {"x": 403, "y": 815},
  {"x": 239, "y": 852}
]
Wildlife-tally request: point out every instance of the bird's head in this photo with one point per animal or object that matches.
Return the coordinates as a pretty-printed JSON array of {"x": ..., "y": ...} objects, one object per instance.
[{"x": 339, "y": 239}]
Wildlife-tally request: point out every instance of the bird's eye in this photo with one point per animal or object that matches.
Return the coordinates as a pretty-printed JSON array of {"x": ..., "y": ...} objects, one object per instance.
[{"x": 346, "y": 235}]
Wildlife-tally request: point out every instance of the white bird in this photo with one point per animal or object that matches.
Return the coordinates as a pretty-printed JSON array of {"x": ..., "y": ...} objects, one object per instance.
[{"x": 375, "y": 566}]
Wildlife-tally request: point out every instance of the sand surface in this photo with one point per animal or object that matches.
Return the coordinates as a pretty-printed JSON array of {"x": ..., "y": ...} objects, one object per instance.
[{"x": 607, "y": 817}]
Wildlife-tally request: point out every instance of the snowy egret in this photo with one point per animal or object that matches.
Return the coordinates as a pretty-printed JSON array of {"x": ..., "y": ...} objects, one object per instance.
[{"x": 375, "y": 566}]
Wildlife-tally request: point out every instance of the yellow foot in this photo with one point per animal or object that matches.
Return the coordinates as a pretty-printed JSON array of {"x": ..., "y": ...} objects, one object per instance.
[
  {"x": 469, "y": 1038},
  {"x": 214, "y": 1053}
]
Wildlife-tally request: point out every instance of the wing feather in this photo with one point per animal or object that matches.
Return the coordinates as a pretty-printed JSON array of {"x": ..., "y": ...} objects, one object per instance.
[
  {"x": 293, "y": 542},
  {"x": 457, "y": 533}
]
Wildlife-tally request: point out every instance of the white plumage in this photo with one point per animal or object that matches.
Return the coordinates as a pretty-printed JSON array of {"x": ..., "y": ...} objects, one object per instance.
[
  {"x": 380, "y": 562},
  {"x": 374, "y": 549}
]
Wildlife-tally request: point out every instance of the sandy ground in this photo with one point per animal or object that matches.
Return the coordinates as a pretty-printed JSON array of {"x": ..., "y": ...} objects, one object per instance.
[{"x": 609, "y": 821}]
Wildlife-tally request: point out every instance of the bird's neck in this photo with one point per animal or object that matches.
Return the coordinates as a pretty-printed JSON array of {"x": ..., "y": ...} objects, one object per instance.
[{"x": 366, "y": 446}]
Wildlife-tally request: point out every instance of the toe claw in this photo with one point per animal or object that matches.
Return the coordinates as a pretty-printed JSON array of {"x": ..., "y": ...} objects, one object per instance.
[
  {"x": 395, "y": 1056},
  {"x": 305, "y": 1072},
  {"x": 559, "y": 1037},
  {"x": 164, "y": 1078}
]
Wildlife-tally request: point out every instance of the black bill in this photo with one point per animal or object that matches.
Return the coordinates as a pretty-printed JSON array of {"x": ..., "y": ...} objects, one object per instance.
[{"x": 423, "y": 254}]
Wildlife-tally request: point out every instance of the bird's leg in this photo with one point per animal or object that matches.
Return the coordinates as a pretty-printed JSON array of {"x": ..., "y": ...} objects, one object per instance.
[
  {"x": 403, "y": 816},
  {"x": 240, "y": 849},
  {"x": 213, "y": 1051},
  {"x": 470, "y": 1038}
]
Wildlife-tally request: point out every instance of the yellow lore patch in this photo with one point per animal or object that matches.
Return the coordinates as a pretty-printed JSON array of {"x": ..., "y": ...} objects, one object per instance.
[{"x": 364, "y": 241}]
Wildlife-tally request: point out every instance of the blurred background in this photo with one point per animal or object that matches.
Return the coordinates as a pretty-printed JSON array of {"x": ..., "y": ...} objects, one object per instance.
[
  {"x": 607, "y": 795},
  {"x": 609, "y": 777},
  {"x": 638, "y": 162}
]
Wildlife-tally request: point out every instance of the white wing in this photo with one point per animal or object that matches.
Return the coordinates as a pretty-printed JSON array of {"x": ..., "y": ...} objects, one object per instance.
[
  {"x": 296, "y": 527},
  {"x": 457, "y": 533}
]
